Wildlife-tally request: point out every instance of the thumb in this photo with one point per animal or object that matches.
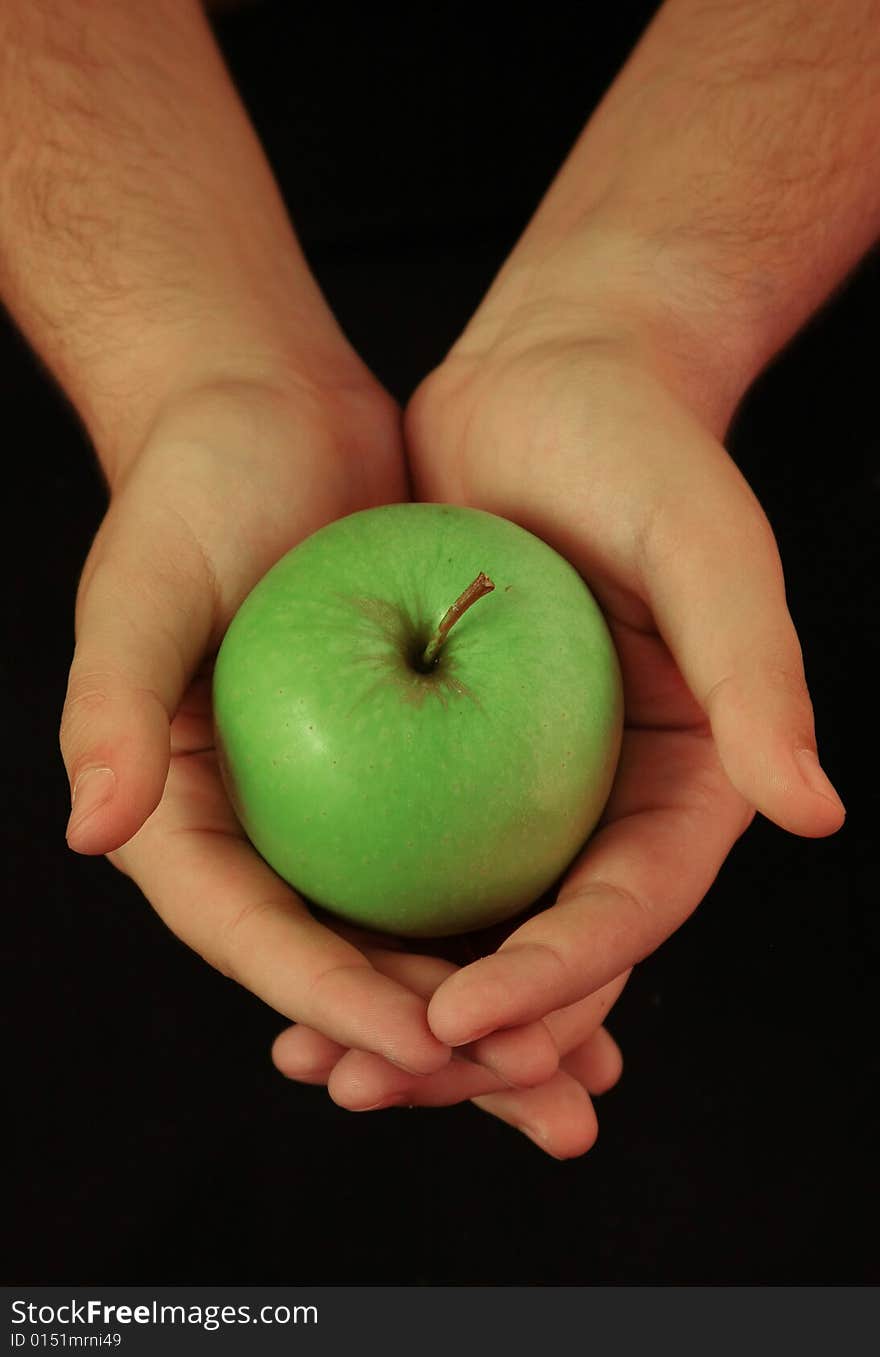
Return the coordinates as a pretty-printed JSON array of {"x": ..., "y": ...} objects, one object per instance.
[
  {"x": 145, "y": 613},
  {"x": 714, "y": 580}
]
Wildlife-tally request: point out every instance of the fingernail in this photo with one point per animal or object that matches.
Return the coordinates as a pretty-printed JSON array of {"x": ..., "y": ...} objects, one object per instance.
[
  {"x": 497, "y": 1073},
  {"x": 397, "y": 1101},
  {"x": 420, "y": 1073},
  {"x": 92, "y": 789},
  {"x": 477, "y": 1035},
  {"x": 815, "y": 778},
  {"x": 407, "y": 1069},
  {"x": 537, "y": 1138}
]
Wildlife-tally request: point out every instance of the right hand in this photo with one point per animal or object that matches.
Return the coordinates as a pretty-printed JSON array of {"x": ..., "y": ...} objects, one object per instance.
[{"x": 229, "y": 478}]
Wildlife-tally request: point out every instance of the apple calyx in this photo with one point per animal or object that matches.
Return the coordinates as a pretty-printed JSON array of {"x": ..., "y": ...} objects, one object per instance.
[{"x": 479, "y": 587}]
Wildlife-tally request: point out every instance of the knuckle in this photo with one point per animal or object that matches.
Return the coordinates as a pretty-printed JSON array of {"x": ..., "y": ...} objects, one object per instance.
[
  {"x": 87, "y": 701},
  {"x": 550, "y": 959},
  {"x": 327, "y": 979},
  {"x": 235, "y": 934},
  {"x": 785, "y": 684},
  {"x": 86, "y": 698},
  {"x": 639, "y": 921},
  {"x": 635, "y": 904},
  {"x": 92, "y": 697},
  {"x": 643, "y": 916},
  {"x": 782, "y": 680}
]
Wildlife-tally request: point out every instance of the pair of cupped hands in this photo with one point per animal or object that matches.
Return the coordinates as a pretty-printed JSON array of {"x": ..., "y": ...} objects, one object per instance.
[{"x": 585, "y": 434}]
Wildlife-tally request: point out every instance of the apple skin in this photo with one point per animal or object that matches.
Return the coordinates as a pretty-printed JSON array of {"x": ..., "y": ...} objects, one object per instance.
[{"x": 421, "y": 804}]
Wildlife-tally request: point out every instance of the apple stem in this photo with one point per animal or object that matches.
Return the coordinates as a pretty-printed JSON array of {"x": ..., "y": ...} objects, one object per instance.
[{"x": 481, "y": 585}]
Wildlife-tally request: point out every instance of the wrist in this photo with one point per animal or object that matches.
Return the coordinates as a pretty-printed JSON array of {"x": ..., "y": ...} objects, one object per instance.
[
  {"x": 250, "y": 467},
  {"x": 241, "y": 383},
  {"x": 664, "y": 301}
]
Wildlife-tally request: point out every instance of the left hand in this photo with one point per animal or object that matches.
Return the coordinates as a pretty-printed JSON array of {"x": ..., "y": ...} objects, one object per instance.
[
  {"x": 582, "y": 439},
  {"x": 585, "y": 439}
]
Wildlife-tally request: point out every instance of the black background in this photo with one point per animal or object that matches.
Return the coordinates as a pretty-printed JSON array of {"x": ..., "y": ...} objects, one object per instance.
[{"x": 147, "y": 1137}]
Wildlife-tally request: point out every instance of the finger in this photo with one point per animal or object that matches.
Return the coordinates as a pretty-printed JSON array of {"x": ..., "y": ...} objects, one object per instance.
[
  {"x": 363, "y": 1082},
  {"x": 360, "y": 1081},
  {"x": 644, "y": 501},
  {"x": 145, "y": 611},
  {"x": 216, "y": 894},
  {"x": 301, "y": 1053},
  {"x": 636, "y": 881},
  {"x": 558, "y": 1116},
  {"x": 522, "y": 1057},
  {"x": 572, "y": 1026},
  {"x": 597, "y": 1064},
  {"x": 721, "y": 607}
]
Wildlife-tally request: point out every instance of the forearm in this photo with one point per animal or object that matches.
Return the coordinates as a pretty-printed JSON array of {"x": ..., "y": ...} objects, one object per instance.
[
  {"x": 143, "y": 243},
  {"x": 724, "y": 186}
]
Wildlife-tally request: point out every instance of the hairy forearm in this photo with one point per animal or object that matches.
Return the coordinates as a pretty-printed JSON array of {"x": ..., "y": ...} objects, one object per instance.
[
  {"x": 727, "y": 182},
  {"x": 143, "y": 243}
]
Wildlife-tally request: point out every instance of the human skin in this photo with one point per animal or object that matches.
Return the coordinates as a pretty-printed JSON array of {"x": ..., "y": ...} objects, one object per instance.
[
  {"x": 724, "y": 186},
  {"x": 685, "y": 240},
  {"x": 145, "y": 254}
]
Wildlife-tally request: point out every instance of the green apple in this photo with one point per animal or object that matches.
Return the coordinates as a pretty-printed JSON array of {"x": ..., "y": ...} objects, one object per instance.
[{"x": 414, "y": 746}]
